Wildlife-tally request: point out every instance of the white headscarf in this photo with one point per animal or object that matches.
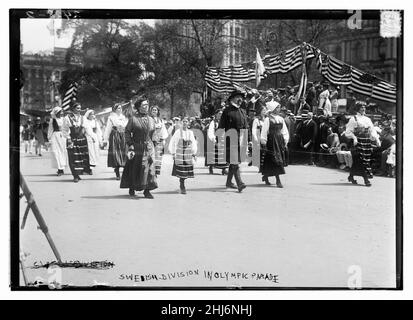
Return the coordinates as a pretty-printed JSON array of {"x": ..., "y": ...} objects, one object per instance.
[{"x": 88, "y": 113}]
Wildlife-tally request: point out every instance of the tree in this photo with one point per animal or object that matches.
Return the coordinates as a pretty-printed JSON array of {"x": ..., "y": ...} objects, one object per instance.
[{"x": 108, "y": 58}]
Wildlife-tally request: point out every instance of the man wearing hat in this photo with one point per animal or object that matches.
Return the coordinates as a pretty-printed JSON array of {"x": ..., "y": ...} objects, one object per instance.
[
  {"x": 289, "y": 120},
  {"x": 308, "y": 134},
  {"x": 235, "y": 120}
]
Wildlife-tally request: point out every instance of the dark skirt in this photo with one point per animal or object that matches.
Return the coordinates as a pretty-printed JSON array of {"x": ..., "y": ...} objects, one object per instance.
[
  {"x": 273, "y": 155},
  {"x": 78, "y": 154},
  {"x": 117, "y": 149},
  {"x": 183, "y": 167},
  {"x": 139, "y": 172},
  {"x": 361, "y": 155}
]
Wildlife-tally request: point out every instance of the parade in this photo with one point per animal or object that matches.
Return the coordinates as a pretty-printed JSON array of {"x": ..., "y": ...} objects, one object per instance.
[{"x": 150, "y": 149}]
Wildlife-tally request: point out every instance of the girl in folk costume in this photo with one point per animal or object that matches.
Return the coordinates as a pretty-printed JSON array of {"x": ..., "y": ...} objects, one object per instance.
[
  {"x": 115, "y": 135},
  {"x": 77, "y": 148},
  {"x": 93, "y": 136},
  {"x": 274, "y": 139},
  {"x": 160, "y": 135},
  {"x": 216, "y": 144},
  {"x": 57, "y": 140},
  {"x": 139, "y": 172},
  {"x": 361, "y": 129},
  {"x": 183, "y": 148},
  {"x": 257, "y": 125},
  {"x": 324, "y": 99}
]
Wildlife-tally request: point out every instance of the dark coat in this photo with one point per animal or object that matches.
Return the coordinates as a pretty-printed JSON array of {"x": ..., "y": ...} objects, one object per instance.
[
  {"x": 233, "y": 118},
  {"x": 139, "y": 172}
]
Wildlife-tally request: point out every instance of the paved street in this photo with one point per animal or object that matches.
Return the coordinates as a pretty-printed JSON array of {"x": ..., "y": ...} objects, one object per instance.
[{"x": 305, "y": 235}]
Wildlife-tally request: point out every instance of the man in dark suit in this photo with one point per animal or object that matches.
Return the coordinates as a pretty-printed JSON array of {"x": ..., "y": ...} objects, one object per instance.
[
  {"x": 309, "y": 136},
  {"x": 235, "y": 119}
]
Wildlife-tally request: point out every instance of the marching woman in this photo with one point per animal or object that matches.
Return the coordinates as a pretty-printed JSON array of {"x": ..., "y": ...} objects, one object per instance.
[
  {"x": 115, "y": 135},
  {"x": 160, "y": 135},
  {"x": 361, "y": 129},
  {"x": 274, "y": 138},
  {"x": 57, "y": 140},
  {"x": 93, "y": 136},
  {"x": 217, "y": 146},
  {"x": 257, "y": 125},
  {"x": 139, "y": 172},
  {"x": 77, "y": 150},
  {"x": 183, "y": 148}
]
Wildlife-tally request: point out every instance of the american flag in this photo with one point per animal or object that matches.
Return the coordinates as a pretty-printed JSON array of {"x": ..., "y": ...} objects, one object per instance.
[
  {"x": 221, "y": 79},
  {"x": 334, "y": 70},
  {"x": 384, "y": 91},
  {"x": 70, "y": 95}
]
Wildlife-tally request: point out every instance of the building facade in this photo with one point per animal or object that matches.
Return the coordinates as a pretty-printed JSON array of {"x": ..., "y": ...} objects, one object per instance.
[
  {"x": 365, "y": 49},
  {"x": 42, "y": 74}
]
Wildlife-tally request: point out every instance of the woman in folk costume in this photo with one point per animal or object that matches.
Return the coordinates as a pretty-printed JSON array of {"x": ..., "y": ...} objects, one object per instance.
[
  {"x": 77, "y": 149},
  {"x": 324, "y": 100},
  {"x": 183, "y": 148},
  {"x": 216, "y": 146},
  {"x": 57, "y": 140},
  {"x": 93, "y": 136},
  {"x": 115, "y": 135},
  {"x": 139, "y": 172},
  {"x": 361, "y": 129},
  {"x": 257, "y": 125},
  {"x": 274, "y": 140},
  {"x": 160, "y": 135}
]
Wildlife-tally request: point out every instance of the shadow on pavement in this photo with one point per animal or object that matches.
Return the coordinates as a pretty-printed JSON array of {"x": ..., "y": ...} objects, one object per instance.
[
  {"x": 341, "y": 184},
  {"x": 111, "y": 197}
]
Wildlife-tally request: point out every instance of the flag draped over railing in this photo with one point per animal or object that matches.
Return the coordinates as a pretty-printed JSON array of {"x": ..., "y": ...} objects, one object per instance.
[{"x": 225, "y": 79}]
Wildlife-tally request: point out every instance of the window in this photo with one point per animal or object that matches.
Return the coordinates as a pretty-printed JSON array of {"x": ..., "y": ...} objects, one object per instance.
[{"x": 243, "y": 33}]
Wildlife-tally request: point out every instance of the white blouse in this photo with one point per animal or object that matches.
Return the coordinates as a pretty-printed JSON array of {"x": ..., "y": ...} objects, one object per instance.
[
  {"x": 114, "y": 120},
  {"x": 364, "y": 122},
  {"x": 182, "y": 134},
  {"x": 266, "y": 127},
  {"x": 257, "y": 122}
]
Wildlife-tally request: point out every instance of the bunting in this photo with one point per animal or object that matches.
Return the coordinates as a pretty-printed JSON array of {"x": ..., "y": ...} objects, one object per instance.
[{"x": 332, "y": 69}]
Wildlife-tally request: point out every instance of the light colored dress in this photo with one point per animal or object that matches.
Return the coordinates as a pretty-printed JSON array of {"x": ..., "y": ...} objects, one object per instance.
[
  {"x": 94, "y": 139},
  {"x": 58, "y": 143}
]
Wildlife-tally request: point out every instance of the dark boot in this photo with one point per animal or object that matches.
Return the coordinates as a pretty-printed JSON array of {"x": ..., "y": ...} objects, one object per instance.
[
  {"x": 148, "y": 194},
  {"x": 182, "y": 185},
  {"x": 237, "y": 174},
  {"x": 367, "y": 181},
  {"x": 131, "y": 192},
  {"x": 278, "y": 182},
  {"x": 265, "y": 179},
  {"x": 351, "y": 179},
  {"x": 229, "y": 183},
  {"x": 117, "y": 173}
]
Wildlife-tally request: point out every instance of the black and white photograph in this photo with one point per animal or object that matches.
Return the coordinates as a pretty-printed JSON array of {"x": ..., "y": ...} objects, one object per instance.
[{"x": 206, "y": 149}]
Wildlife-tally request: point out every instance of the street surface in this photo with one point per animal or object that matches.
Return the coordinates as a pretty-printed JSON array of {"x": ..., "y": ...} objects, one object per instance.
[{"x": 319, "y": 231}]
